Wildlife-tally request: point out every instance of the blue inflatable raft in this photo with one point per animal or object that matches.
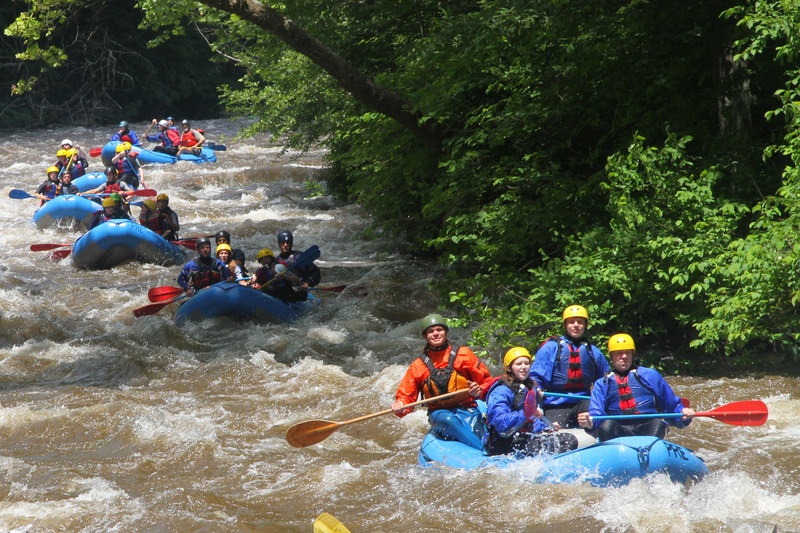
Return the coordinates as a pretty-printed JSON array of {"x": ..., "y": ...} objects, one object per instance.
[
  {"x": 612, "y": 463},
  {"x": 239, "y": 302},
  {"x": 68, "y": 208},
  {"x": 119, "y": 241},
  {"x": 207, "y": 155}
]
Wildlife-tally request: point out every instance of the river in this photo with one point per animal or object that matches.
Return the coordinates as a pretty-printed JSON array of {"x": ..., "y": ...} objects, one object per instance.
[{"x": 115, "y": 423}]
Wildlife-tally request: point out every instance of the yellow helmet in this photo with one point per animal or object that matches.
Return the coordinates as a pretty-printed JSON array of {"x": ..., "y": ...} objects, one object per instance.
[
  {"x": 162, "y": 196},
  {"x": 52, "y": 169},
  {"x": 575, "y": 311},
  {"x": 109, "y": 202},
  {"x": 223, "y": 246},
  {"x": 151, "y": 205},
  {"x": 264, "y": 252},
  {"x": 515, "y": 353},
  {"x": 620, "y": 341},
  {"x": 62, "y": 152},
  {"x": 124, "y": 146}
]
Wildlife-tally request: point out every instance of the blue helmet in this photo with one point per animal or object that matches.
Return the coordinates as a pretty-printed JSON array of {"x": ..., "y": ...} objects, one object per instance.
[{"x": 285, "y": 235}]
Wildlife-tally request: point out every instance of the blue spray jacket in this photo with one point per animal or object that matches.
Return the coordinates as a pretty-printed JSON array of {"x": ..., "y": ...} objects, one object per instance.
[
  {"x": 551, "y": 364},
  {"x": 503, "y": 416},
  {"x": 651, "y": 392}
]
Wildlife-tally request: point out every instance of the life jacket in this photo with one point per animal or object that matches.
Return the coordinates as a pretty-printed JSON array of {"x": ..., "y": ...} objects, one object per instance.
[
  {"x": 628, "y": 390},
  {"x": 153, "y": 223},
  {"x": 170, "y": 138},
  {"x": 443, "y": 380},
  {"x": 627, "y": 403},
  {"x": 188, "y": 138},
  {"x": 205, "y": 275},
  {"x": 113, "y": 187},
  {"x": 577, "y": 379}
]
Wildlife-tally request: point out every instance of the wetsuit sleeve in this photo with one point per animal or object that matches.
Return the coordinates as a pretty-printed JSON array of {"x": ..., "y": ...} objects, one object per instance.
[
  {"x": 185, "y": 275},
  {"x": 411, "y": 385},
  {"x": 468, "y": 365}
]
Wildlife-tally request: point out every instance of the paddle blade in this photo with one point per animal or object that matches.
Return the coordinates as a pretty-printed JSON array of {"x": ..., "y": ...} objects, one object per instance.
[
  {"x": 141, "y": 192},
  {"x": 58, "y": 255},
  {"x": 326, "y": 523},
  {"x": 747, "y": 413},
  {"x": 311, "y": 432},
  {"x": 166, "y": 292},
  {"x": 19, "y": 194},
  {"x": 191, "y": 244},
  {"x": 216, "y": 147},
  {"x": 152, "y": 309},
  {"x": 45, "y": 247},
  {"x": 95, "y": 152}
]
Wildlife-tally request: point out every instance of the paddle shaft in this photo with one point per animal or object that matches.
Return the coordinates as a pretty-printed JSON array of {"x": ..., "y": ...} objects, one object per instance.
[
  {"x": 744, "y": 413},
  {"x": 684, "y": 401},
  {"x": 407, "y": 406}
]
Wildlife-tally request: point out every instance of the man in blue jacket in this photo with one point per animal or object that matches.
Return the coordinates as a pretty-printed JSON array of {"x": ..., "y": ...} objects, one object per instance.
[
  {"x": 567, "y": 366},
  {"x": 630, "y": 389}
]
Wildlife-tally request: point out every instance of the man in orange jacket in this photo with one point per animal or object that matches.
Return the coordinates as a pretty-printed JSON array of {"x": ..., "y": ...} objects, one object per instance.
[{"x": 443, "y": 368}]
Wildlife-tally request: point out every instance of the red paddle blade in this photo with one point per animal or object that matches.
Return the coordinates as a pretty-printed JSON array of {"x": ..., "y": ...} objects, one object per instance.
[
  {"x": 747, "y": 413},
  {"x": 95, "y": 152},
  {"x": 685, "y": 402},
  {"x": 46, "y": 247},
  {"x": 150, "y": 309},
  {"x": 58, "y": 255},
  {"x": 141, "y": 192},
  {"x": 166, "y": 292},
  {"x": 191, "y": 244}
]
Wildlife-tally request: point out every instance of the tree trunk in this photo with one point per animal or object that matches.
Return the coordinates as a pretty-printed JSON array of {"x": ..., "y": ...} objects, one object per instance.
[{"x": 361, "y": 87}]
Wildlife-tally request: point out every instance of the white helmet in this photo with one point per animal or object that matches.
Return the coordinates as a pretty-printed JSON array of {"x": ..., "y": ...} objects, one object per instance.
[
  {"x": 66, "y": 141},
  {"x": 163, "y": 123}
]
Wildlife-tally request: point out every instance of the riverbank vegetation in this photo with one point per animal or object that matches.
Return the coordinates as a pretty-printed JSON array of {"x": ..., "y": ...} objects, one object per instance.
[{"x": 637, "y": 158}]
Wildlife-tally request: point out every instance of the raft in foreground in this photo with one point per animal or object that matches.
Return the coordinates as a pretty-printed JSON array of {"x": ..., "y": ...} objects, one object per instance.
[
  {"x": 119, "y": 241},
  {"x": 240, "y": 302},
  {"x": 612, "y": 463}
]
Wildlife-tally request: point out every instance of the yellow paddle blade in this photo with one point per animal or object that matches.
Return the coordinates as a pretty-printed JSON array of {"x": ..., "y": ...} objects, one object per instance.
[{"x": 325, "y": 523}]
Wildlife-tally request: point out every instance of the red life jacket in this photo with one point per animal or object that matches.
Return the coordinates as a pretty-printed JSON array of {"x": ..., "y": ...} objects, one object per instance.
[
  {"x": 188, "y": 138},
  {"x": 627, "y": 403},
  {"x": 114, "y": 187},
  {"x": 153, "y": 223},
  {"x": 574, "y": 372}
]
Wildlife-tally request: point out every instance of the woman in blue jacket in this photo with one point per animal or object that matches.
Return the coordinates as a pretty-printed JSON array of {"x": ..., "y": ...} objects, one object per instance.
[
  {"x": 513, "y": 415},
  {"x": 631, "y": 389}
]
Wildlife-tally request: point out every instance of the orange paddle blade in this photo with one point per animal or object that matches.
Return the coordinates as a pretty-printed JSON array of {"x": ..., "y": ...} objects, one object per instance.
[
  {"x": 166, "y": 292},
  {"x": 95, "y": 152},
  {"x": 46, "y": 247}
]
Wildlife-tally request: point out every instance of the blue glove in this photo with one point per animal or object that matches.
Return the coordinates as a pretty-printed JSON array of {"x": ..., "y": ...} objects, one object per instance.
[{"x": 531, "y": 405}]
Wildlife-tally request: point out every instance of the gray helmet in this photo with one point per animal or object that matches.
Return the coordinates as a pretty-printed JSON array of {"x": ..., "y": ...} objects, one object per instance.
[
  {"x": 184, "y": 121},
  {"x": 163, "y": 123},
  {"x": 285, "y": 235},
  {"x": 432, "y": 320},
  {"x": 202, "y": 241},
  {"x": 110, "y": 170},
  {"x": 123, "y": 124},
  {"x": 224, "y": 234}
]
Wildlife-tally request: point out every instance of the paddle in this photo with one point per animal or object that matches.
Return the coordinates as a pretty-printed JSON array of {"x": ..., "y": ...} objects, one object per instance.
[
  {"x": 684, "y": 401},
  {"x": 338, "y": 288},
  {"x": 326, "y": 523},
  {"x": 214, "y": 146},
  {"x": 314, "y": 431},
  {"x": 152, "y": 309},
  {"x": 747, "y": 413},
  {"x": 140, "y": 192},
  {"x": 19, "y": 194},
  {"x": 95, "y": 152},
  {"x": 46, "y": 247}
]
